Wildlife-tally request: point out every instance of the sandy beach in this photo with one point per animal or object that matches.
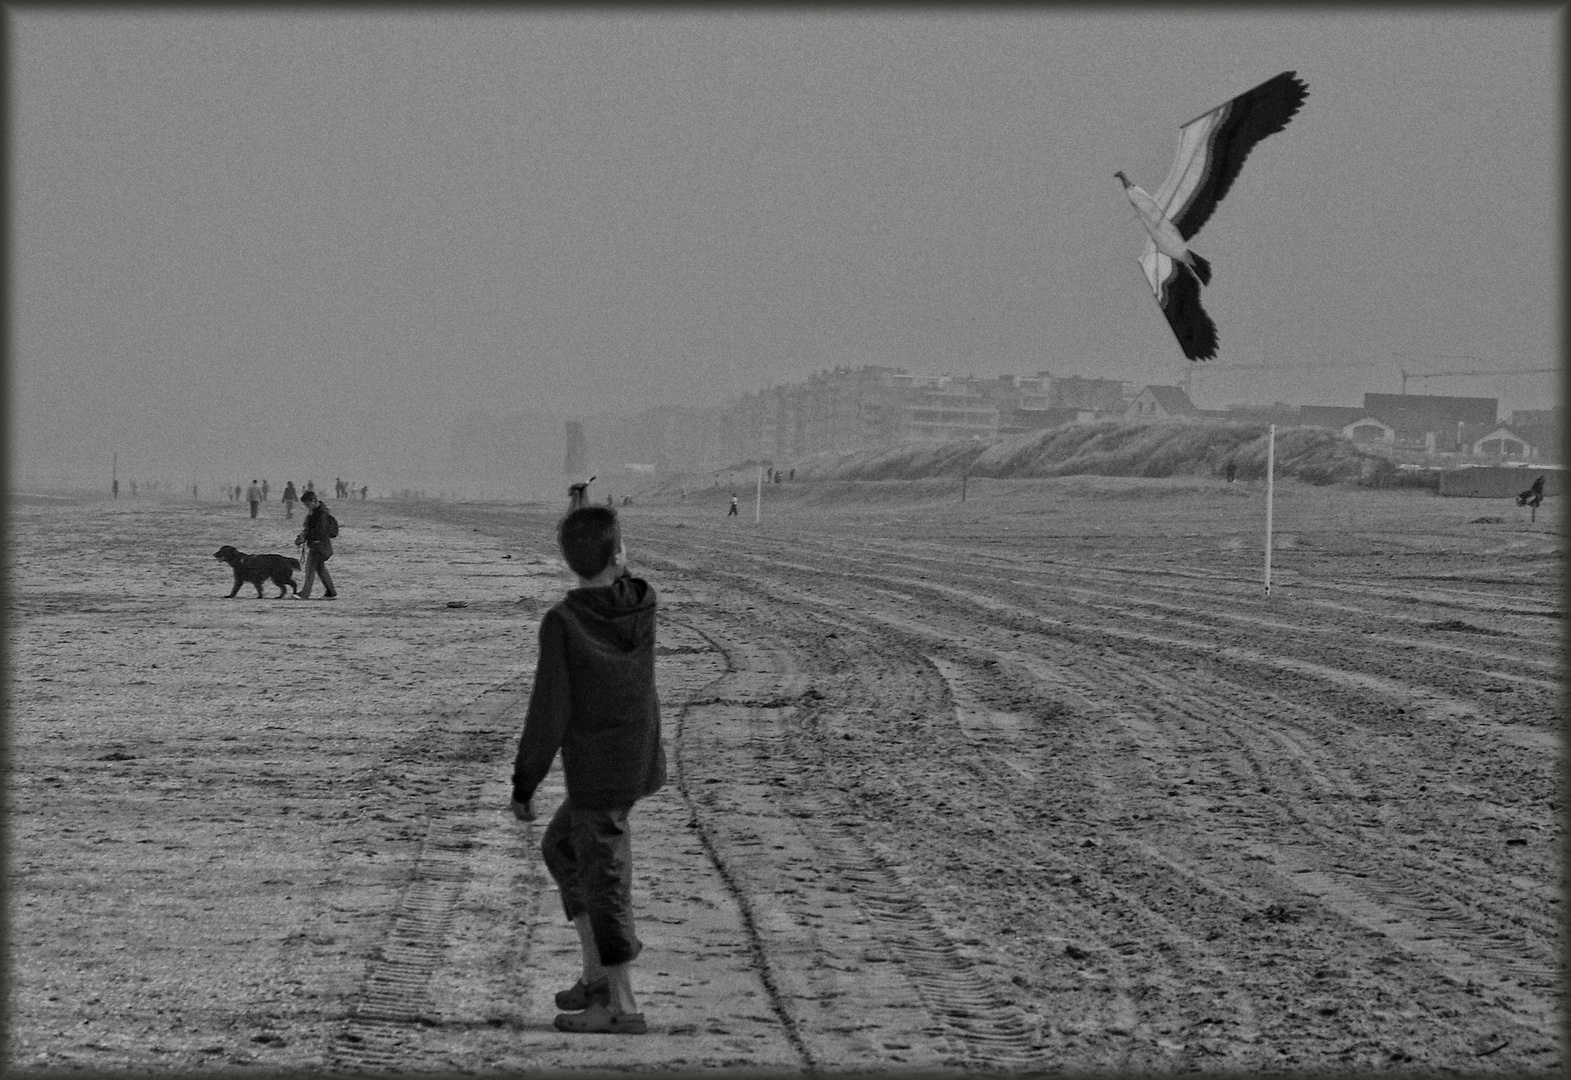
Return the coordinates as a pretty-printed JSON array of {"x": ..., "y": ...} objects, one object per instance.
[{"x": 1037, "y": 780}]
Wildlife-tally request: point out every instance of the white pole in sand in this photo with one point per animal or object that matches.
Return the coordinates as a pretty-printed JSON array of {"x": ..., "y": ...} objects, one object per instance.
[
  {"x": 1270, "y": 484},
  {"x": 758, "y": 499}
]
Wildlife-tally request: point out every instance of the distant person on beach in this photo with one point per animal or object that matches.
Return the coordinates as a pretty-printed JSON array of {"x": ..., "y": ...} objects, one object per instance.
[
  {"x": 363, "y": 489},
  {"x": 264, "y": 490},
  {"x": 594, "y": 699},
  {"x": 1232, "y": 470},
  {"x": 289, "y": 498},
  {"x": 316, "y": 535},
  {"x": 1533, "y": 496},
  {"x": 732, "y": 512},
  {"x": 253, "y": 495}
]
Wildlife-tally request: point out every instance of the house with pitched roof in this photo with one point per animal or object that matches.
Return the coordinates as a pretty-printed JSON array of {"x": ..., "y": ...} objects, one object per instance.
[
  {"x": 1543, "y": 430},
  {"x": 1161, "y": 403},
  {"x": 1431, "y": 422},
  {"x": 1502, "y": 441},
  {"x": 1354, "y": 422}
]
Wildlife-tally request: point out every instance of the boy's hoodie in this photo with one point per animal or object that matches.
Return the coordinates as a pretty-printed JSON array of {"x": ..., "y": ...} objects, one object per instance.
[{"x": 594, "y": 698}]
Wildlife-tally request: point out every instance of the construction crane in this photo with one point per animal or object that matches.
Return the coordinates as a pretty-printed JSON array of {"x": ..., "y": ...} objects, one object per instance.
[
  {"x": 1406, "y": 375},
  {"x": 1283, "y": 367}
]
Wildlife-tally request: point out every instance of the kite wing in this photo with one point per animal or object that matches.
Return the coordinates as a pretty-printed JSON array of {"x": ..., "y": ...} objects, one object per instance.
[
  {"x": 1212, "y": 149},
  {"x": 1177, "y": 292}
]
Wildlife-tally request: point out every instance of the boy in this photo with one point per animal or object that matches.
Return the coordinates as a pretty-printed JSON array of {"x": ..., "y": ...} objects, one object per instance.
[{"x": 594, "y": 698}]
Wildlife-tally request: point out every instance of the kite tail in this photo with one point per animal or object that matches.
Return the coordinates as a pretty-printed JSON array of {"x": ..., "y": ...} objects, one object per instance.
[{"x": 1201, "y": 266}]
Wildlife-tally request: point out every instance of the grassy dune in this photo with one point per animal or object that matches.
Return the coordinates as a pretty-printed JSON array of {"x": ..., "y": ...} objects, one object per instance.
[{"x": 1120, "y": 448}]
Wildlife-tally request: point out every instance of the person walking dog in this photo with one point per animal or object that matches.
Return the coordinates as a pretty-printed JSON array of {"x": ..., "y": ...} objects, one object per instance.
[{"x": 317, "y": 535}]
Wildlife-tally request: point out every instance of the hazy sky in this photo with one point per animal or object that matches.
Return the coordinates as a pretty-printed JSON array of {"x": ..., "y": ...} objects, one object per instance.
[{"x": 240, "y": 234}]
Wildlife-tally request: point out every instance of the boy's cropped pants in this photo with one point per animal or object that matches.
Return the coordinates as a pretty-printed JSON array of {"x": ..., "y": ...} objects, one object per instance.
[{"x": 590, "y": 856}]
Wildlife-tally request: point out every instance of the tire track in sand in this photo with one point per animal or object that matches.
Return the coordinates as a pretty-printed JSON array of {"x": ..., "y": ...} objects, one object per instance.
[
  {"x": 1388, "y": 892},
  {"x": 394, "y": 998},
  {"x": 796, "y": 858}
]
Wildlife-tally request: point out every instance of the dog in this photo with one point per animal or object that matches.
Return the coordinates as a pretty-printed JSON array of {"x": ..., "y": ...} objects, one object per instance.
[{"x": 257, "y": 569}]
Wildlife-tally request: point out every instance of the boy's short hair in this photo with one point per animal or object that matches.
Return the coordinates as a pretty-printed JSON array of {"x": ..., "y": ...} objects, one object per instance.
[{"x": 589, "y": 537}]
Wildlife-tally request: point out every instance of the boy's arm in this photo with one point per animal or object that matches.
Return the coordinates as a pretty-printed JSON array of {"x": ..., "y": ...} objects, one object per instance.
[{"x": 550, "y": 703}]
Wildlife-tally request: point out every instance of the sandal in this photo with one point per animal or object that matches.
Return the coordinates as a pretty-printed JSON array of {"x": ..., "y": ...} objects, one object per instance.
[
  {"x": 598, "y": 1019},
  {"x": 581, "y": 995}
]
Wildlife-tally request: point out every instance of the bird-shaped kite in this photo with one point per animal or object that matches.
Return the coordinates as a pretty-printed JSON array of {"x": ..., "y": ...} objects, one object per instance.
[{"x": 1211, "y": 151}]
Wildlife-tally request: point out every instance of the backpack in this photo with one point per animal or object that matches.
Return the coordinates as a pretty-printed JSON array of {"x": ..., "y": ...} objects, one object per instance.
[{"x": 329, "y": 525}]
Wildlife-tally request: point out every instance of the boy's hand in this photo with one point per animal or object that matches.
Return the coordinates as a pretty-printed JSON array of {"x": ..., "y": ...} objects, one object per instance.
[{"x": 524, "y": 811}]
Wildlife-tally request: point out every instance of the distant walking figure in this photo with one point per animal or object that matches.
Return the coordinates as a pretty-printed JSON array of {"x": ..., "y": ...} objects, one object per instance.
[
  {"x": 1232, "y": 470},
  {"x": 289, "y": 498},
  {"x": 253, "y": 495},
  {"x": 1533, "y": 496},
  {"x": 264, "y": 490},
  {"x": 578, "y": 494},
  {"x": 732, "y": 512}
]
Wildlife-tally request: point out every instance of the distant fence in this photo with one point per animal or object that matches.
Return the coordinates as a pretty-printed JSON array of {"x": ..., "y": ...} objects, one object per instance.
[{"x": 1498, "y": 481}]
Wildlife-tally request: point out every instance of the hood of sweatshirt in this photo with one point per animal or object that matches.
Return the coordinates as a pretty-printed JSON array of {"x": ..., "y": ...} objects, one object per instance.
[{"x": 621, "y": 614}]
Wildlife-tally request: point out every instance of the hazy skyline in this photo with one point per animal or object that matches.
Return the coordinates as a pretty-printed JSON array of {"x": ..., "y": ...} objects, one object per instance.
[{"x": 277, "y": 241}]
